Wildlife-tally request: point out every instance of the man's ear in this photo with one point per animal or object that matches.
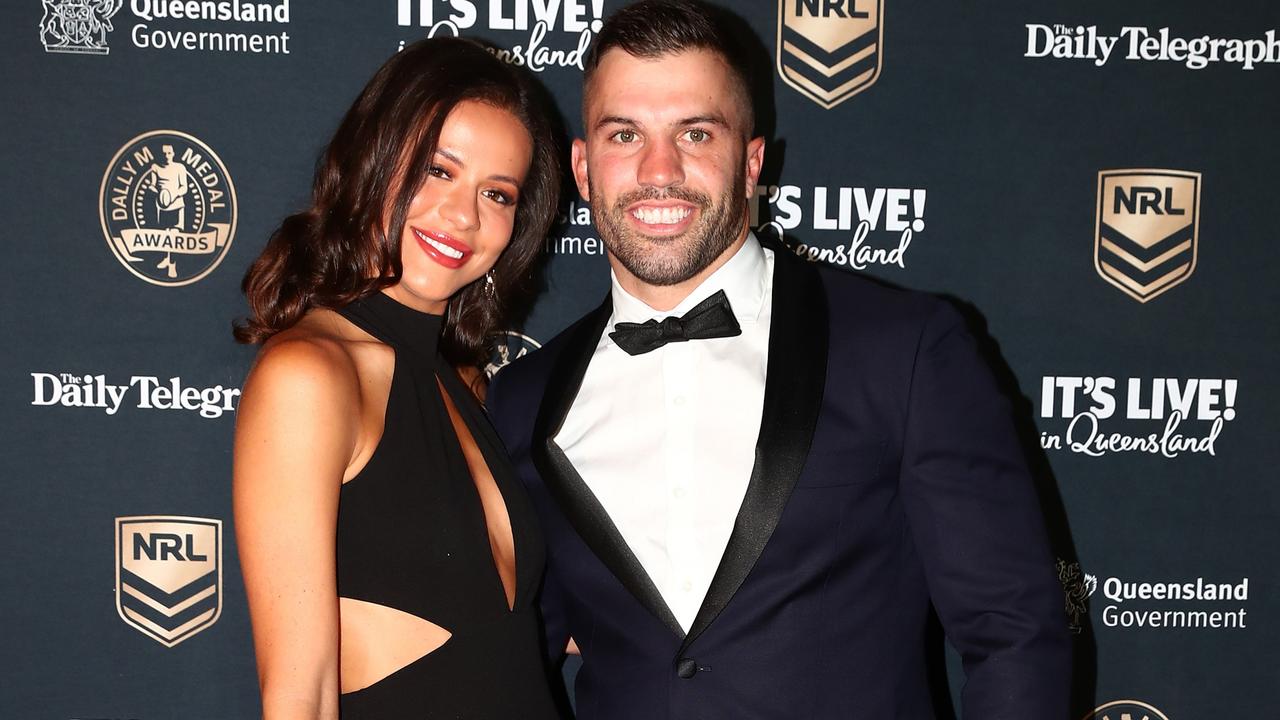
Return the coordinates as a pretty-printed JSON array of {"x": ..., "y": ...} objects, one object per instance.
[
  {"x": 755, "y": 161},
  {"x": 579, "y": 161}
]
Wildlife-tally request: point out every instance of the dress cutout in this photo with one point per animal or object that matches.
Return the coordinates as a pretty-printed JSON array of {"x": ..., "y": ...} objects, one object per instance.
[{"x": 412, "y": 535}]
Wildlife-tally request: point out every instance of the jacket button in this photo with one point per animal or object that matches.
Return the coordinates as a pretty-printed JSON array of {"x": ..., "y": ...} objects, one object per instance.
[{"x": 686, "y": 668}]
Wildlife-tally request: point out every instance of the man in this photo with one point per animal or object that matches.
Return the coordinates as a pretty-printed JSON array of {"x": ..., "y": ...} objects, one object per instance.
[
  {"x": 168, "y": 180},
  {"x": 753, "y": 523}
]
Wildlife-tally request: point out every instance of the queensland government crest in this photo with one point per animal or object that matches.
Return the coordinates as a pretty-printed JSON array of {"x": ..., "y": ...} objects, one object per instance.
[
  {"x": 168, "y": 575},
  {"x": 168, "y": 208},
  {"x": 830, "y": 50},
  {"x": 77, "y": 26},
  {"x": 1077, "y": 586},
  {"x": 1148, "y": 229}
]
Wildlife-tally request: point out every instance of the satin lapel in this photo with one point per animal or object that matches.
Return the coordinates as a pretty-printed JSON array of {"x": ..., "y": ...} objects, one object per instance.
[
  {"x": 577, "y": 501},
  {"x": 793, "y": 390}
]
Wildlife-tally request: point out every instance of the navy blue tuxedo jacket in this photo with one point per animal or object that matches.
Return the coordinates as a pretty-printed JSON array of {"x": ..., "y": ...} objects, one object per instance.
[{"x": 887, "y": 477}]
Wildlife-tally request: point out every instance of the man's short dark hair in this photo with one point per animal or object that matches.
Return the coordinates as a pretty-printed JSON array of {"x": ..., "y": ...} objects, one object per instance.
[{"x": 653, "y": 28}]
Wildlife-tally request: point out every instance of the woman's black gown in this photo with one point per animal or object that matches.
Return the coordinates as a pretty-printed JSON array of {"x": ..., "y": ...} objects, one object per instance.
[{"x": 412, "y": 536}]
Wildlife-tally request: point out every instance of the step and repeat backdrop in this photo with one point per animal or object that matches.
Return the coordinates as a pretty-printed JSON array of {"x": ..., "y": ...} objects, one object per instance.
[{"x": 1092, "y": 182}]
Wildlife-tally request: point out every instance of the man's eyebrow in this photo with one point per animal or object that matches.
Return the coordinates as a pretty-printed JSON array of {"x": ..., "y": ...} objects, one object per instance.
[
  {"x": 713, "y": 119},
  {"x": 705, "y": 120},
  {"x": 615, "y": 120},
  {"x": 458, "y": 161}
]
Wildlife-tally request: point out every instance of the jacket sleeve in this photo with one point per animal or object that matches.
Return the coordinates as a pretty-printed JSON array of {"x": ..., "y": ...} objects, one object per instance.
[{"x": 977, "y": 522}]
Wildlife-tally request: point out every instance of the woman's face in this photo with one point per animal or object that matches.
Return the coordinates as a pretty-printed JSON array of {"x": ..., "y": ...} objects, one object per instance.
[{"x": 461, "y": 218}]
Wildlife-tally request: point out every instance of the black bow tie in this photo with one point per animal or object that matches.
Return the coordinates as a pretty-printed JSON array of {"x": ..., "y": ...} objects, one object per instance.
[{"x": 711, "y": 318}]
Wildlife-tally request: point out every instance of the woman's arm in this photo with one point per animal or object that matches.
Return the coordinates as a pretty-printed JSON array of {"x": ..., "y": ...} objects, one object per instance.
[{"x": 296, "y": 429}]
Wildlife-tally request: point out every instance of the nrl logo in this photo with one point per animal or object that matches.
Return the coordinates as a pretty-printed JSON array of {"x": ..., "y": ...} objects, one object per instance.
[
  {"x": 77, "y": 26},
  {"x": 1148, "y": 229},
  {"x": 1126, "y": 710},
  {"x": 1078, "y": 586},
  {"x": 830, "y": 50},
  {"x": 168, "y": 575},
  {"x": 508, "y": 347}
]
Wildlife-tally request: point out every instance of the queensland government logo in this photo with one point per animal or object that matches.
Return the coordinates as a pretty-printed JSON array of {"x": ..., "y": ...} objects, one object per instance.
[
  {"x": 168, "y": 208},
  {"x": 830, "y": 50},
  {"x": 1077, "y": 586},
  {"x": 509, "y": 346},
  {"x": 168, "y": 575},
  {"x": 1148, "y": 228},
  {"x": 1126, "y": 710},
  {"x": 77, "y": 26}
]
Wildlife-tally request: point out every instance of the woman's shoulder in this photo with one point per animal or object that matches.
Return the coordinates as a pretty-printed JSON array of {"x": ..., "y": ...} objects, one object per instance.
[{"x": 321, "y": 357}]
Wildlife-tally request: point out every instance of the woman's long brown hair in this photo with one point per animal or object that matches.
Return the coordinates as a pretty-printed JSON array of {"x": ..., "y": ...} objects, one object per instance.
[{"x": 338, "y": 249}]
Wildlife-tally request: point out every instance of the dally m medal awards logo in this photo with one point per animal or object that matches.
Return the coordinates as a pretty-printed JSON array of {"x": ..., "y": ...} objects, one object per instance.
[
  {"x": 168, "y": 208},
  {"x": 168, "y": 575},
  {"x": 1148, "y": 229},
  {"x": 509, "y": 346},
  {"x": 830, "y": 50},
  {"x": 77, "y": 26},
  {"x": 1126, "y": 710}
]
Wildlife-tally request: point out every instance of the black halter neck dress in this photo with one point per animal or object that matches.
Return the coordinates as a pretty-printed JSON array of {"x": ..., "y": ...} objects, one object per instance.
[{"x": 412, "y": 536}]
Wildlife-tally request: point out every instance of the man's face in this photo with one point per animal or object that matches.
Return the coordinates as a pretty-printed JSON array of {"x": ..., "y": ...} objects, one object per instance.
[
  {"x": 167, "y": 152},
  {"x": 666, "y": 163}
]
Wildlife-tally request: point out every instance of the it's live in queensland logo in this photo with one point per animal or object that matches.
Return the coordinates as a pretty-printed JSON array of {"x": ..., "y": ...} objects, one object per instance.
[
  {"x": 168, "y": 575},
  {"x": 1167, "y": 416},
  {"x": 872, "y": 225},
  {"x": 168, "y": 208},
  {"x": 545, "y": 33}
]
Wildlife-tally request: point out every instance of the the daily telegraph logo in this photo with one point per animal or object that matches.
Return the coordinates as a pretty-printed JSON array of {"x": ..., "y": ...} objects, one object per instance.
[
  {"x": 553, "y": 33},
  {"x": 1156, "y": 416},
  {"x": 1141, "y": 44},
  {"x": 875, "y": 225},
  {"x": 77, "y": 26},
  {"x": 509, "y": 347},
  {"x": 1126, "y": 710},
  {"x": 146, "y": 392},
  {"x": 1204, "y": 604},
  {"x": 1148, "y": 229},
  {"x": 168, "y": 575},
  {"x": 830, "y": 50},
  {"x": 168, "y": 208}
]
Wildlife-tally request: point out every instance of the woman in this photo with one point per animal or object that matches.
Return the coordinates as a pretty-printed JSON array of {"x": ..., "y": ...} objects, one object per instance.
[{"x": 356, "y": 439}]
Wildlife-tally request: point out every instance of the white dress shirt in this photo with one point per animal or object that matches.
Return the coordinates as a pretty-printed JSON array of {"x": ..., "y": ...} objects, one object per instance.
[{"x": 666, "y": 440}]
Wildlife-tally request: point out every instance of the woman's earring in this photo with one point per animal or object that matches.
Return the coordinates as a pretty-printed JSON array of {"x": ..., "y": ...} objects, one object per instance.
[{"x": 489, "y": 288}]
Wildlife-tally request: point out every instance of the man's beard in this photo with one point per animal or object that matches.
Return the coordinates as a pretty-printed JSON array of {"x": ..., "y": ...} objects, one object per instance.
[{"x": 716, "y": 228}]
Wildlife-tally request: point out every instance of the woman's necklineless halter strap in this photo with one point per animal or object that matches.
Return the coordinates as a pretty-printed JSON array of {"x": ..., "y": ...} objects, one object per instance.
[{"x": 399, "y": 326}]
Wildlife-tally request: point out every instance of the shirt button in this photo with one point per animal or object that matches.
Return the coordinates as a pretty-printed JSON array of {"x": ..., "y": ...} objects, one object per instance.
[
  {"x": 687, "y": 586},
  {"x": 678, "y": 401},
  {"x": 678, "y": 492}
]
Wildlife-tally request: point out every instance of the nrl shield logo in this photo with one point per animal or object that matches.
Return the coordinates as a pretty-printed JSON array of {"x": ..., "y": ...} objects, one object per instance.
[
  {"x": 168, "y": 575},
  {"x": 1148, "y": 229},
  {"x": 1126, "y": 710},
  {"x": 830, "y": 50}
]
